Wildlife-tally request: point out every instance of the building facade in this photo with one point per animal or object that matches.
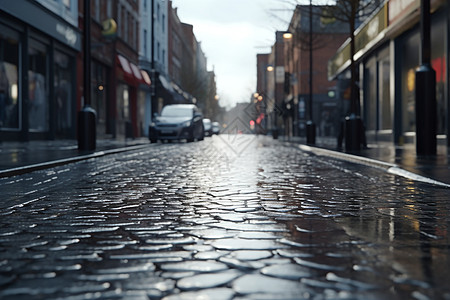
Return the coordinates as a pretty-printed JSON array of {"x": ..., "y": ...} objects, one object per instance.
[
  {"x": 42, "y": 71},
  {"x": 284, "y": 76},
  {"x": 153, "y": 55},
  {"x": 388, "y": 53},
  {"x": 116, "y": 79},
  {"x": 39, "y": 43},
  {"x": 317, "y": 39}
]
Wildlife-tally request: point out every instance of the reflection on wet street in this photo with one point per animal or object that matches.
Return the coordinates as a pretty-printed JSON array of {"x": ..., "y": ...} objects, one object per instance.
[{"x": 232, "y": 217}]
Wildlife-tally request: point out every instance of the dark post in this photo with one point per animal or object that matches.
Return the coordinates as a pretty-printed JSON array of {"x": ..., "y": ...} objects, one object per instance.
[
  {"x": 152, "y": 47},
  {"x": 310, "y": 126},
  {"x": 276, "y": 110},
  {"x": 426, "y": 114},
  {"x": 87, "y": 115}
]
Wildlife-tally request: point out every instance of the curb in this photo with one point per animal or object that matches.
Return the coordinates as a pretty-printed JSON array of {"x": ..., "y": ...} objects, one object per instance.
[
  {"x": 55, "y": 163},
  {"x": 388, "y": 167}
]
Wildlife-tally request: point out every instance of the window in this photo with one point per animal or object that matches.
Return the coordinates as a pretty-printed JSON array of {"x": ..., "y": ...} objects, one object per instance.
[
  {"x": 109, "y": 9},
  {"x": 145, "y": 43},
  {"x": 37, "y": 87},
  {"x": 120, "y": 22},
  {"x": 158, "y": 12},
  {"x": 163, "y": 24},
  {"x": 385, "y": 92},
  {"x": 125, "y": 23},
  {"x": 63, "y": 80},
  {"x": 66, "y": 3},
  {"x": 410, "y": 61},
  {"x": 158, "y": 51},
  {"x": 10, "y": 104},
  {"x": 97, "y": 10}
]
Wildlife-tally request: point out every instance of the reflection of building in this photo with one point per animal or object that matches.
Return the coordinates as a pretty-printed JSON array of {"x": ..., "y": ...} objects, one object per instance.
[
  {"x": 388, "y": 49},
  {"x": 40, "y": 40}
]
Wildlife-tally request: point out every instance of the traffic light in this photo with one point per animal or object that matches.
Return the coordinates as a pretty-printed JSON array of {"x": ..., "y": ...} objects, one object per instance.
[{"x": 252, "y": 124}]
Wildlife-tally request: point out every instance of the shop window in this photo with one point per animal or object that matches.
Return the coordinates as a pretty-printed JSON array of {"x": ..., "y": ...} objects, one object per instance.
[
  {"x": 37, "y": 87},
  {"x": 98, "y": 96},
  {"x": 10, "y": 104},
  {"x": 439, "y": 64},
  {"x": 63, "y": 93},
  {"x": 385, "y": 92},
  {"x": 410, "y": 61},
  {"x": 370, "y": 95}
]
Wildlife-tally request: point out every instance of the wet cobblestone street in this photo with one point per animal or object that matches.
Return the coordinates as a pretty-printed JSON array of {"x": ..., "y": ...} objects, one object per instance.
[{"x": 232, "y": 217}]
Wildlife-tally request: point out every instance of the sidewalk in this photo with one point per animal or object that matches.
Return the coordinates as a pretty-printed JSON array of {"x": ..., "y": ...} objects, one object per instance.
[
  {"x": 404, "y": 157},
  {"x": 22, "y": 157}
]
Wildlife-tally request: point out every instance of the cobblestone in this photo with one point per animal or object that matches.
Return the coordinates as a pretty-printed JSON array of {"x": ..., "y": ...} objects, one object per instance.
[{"x": 226, "y": 218}]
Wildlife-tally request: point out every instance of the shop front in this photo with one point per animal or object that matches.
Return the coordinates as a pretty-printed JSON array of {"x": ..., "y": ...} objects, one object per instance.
[
  {"x": 132, "y": 85},
  {"x": 388, "y": 59},
  {"x": 37, "y": 73}
]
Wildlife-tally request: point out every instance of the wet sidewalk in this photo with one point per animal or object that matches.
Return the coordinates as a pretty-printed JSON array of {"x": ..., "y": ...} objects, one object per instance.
[
  {"x": 17, "y": 158},
  {"x": 22, "y": 157},
  {"x": 403, "y": 157}
]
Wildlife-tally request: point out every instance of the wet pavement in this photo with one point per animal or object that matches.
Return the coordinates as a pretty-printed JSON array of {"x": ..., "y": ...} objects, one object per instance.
[{"x": 232, "y": 217}]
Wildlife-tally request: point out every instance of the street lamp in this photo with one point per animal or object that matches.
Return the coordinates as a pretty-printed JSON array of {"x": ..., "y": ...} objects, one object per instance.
[
  {"x": 310, "y": 126},
  {"x": 287, "y": 35}
]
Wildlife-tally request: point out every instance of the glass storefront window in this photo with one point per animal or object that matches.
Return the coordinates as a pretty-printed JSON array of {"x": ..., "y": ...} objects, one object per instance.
[
  {"x": 98, "y": 95},
  {"x": 410, "y": 61},
  {"x": 371, "y": 95},
  {"x": 38, "y": 99},
  {"x": 10, "y": 104},
  {"x": 439, "y": 64},
  {"x": 385, "y": 91},
  {"x": 123, "y": 107},
  {"x": 63, "y": 93}
]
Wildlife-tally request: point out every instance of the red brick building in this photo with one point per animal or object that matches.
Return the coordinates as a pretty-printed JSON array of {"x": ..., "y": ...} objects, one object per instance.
[
  {"x": 327, "y": 37},
  {"x": 115, "y": 77}
]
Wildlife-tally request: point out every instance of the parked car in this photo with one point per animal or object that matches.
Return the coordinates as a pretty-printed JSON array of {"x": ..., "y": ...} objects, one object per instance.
[
  {"x": 215, "y": 127},
  {"x": 207, "y": 125},
  {"x": 177, "y": 122}
]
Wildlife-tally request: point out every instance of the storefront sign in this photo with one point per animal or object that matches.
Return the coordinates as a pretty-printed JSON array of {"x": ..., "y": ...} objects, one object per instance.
[
  {"x": 31, "y": 13},
  {"x": 398, "y": 9},
  {"x": 365, "y": 35},
  {"x": 279, "y": 74},
  {"x": 67, "y": 33}
]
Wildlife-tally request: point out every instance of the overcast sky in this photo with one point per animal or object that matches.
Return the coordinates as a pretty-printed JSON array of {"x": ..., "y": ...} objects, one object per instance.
[{"x": 231, "y": 33}]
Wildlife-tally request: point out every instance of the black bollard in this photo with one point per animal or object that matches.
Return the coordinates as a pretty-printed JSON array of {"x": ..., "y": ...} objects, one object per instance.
[
  {"x": 352, "y": 133},
  {"x": 426, "y": 114},
  {"x": 310, "y": 133},
  {"x": 86, "y": 129}
]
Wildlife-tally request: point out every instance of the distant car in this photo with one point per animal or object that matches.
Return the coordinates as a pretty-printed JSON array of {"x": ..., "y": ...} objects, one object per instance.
[
  {"x": 207, "y": 125},
  {"x": 215, "y": 127},
  {"x": 177, "y": 122}
]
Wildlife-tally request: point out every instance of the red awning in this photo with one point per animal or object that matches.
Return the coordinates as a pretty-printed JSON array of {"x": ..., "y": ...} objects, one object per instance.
[
  {"x": 130, "y": 73},
  {"x": 146, "y": 77},
  {"x": 138, "y": 74},
  {"x": 127, "y": 73}
]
